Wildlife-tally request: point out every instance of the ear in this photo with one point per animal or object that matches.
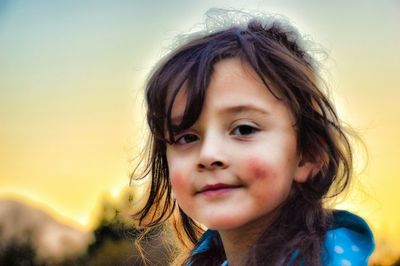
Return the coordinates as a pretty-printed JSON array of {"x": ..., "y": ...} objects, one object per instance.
[{"x": 306, "y": 169}]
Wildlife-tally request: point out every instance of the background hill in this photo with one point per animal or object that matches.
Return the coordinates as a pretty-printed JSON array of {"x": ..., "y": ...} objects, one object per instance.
[{"x": 22, "y": 224}]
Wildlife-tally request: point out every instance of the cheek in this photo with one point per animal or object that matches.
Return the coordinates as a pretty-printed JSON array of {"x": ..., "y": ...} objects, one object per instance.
[
  {"x": 176, "y": 173},
  {"x": 258, "y": 169},
  {"x": 177, "y": 180},
  {"x": 181, "y": 189}
]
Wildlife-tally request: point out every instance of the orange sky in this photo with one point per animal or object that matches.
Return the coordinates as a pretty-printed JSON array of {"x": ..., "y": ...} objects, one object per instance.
[{"x": 71, "y": 74}]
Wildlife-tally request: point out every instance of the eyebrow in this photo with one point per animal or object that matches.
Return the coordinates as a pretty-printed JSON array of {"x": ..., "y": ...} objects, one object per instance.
[{"x": 243, "y": 108}]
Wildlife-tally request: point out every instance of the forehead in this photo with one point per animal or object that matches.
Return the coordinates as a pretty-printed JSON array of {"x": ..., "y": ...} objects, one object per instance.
[
  {"x": 233, "y": 84},
  {"x": 234, "y": 77}
]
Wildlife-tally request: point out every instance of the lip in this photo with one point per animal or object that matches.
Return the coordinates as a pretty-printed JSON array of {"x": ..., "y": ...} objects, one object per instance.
[{"x": 217, "y": 189}]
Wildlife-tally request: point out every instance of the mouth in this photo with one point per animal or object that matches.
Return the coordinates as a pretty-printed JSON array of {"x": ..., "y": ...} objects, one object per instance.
[{"x": 217, "y": 189}]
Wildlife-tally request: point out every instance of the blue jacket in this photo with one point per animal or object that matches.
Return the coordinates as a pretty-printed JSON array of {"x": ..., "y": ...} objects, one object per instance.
[{"x": 348, "y": 243}]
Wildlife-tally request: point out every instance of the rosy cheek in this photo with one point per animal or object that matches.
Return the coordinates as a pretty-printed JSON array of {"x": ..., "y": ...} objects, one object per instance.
[
  {"x": 177, "y": 180},
  {"x": 257, "y": 169}
]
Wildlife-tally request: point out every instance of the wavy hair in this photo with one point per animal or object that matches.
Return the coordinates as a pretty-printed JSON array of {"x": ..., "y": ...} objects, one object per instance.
[{"x": 274, "y": 50}]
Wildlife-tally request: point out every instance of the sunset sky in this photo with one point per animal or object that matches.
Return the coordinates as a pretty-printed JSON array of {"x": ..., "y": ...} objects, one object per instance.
[{"x": 72, "y": 72}]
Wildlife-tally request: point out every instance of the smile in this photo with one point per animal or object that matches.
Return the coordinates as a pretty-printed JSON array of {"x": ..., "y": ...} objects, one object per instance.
[{"x": 217, "y": 189}]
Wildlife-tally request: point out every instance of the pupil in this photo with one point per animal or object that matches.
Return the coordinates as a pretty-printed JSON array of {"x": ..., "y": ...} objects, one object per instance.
[
  {"x": 190, "y": 138},
  {"x": 245, "y": 130}
]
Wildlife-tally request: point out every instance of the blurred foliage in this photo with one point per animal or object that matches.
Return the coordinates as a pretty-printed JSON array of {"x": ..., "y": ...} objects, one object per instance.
[
  {"x": 115, "y": 238},
  {"x": 16, "y": 253}
]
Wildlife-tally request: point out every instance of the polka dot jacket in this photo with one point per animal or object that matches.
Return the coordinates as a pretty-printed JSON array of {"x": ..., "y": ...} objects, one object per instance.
[{"x": 348, "y": 243}]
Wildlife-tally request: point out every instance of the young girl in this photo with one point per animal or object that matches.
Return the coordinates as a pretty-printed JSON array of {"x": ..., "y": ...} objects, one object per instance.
[{"x": 245, "y": 150}]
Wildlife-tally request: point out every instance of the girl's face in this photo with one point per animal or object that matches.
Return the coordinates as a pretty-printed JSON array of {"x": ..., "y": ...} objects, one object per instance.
[{"x": 235, "y": 166}]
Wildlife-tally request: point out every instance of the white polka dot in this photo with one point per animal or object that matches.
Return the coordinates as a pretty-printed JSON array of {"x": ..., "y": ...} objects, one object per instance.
[
  {"x": 345, "y": 263},
  {"x": 338, "y": 249},
  {"x": 354, "y": 248}
]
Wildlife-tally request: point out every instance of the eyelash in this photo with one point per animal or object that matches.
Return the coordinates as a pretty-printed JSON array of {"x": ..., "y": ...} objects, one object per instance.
[
  {"x": 179, "y": 139},
  {"x": 183, "y": 139},
  {"x": 252, "y": 128}
]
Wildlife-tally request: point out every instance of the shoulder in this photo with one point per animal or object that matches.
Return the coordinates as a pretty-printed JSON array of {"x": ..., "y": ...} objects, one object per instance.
[
  {"x": 205, "y": 241},
  {"x": 348, "y": 242}
]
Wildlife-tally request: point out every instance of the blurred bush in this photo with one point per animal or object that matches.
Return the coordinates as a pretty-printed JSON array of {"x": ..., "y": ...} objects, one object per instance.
[{"x": 17, "y": 253}]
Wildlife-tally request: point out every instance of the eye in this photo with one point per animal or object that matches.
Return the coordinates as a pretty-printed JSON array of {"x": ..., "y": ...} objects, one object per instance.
[
  {"x": 187, "y": 138},
  {"x": 244, "y": 130}
]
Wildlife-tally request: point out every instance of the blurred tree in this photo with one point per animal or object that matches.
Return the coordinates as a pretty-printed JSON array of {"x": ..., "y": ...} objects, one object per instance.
[
  {"x": 120, "y": 252},
  {"x": 115, "y": 237},
  {"x": 111, "y": 227}
]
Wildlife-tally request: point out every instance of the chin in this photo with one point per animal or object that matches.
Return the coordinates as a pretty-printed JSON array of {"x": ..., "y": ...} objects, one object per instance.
[{"x": 223, "y": 224}]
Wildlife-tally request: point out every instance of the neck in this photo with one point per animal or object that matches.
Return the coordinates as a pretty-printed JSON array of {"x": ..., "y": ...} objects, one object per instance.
[
  {"x": 237, "y": 242},
  {"x": 236, "y": 247}
]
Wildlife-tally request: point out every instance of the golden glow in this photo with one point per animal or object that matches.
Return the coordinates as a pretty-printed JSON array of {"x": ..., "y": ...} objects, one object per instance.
[{"x": 71, "y": 107}]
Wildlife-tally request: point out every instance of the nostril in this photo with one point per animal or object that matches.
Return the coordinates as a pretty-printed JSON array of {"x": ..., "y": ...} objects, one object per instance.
[
  {"x": 211, "y": 165},
  {"x": 218, "y": 164}
]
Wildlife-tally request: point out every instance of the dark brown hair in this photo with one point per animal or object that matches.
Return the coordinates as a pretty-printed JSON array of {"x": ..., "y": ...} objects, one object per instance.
[{"x": 274, "y": 50}]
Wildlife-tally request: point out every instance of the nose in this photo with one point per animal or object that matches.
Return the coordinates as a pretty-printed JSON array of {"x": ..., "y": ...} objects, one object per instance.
[{"x": 212, "y": 155}]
